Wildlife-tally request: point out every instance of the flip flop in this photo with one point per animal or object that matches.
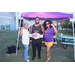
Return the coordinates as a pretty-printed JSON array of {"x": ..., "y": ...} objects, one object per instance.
[
  {"x": 49, "y": 58},
  {"x": 46, "y": 60}
]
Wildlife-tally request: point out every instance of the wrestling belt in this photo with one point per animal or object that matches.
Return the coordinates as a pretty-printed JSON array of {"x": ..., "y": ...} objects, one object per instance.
[{"x": 36, "y": 35}]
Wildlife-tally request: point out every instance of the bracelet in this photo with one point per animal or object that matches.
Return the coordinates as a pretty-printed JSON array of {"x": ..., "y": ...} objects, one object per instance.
[{"x": 53, "y": 26}]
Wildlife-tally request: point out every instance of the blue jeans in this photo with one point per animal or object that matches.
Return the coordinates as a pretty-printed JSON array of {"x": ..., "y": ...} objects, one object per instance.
[{"x": 26, "y": 52}]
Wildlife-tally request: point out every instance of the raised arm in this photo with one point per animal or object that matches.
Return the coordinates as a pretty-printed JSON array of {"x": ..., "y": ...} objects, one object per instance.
[
  {"x": 55, "y": 30},
  {"x": 21, "y": 31}
]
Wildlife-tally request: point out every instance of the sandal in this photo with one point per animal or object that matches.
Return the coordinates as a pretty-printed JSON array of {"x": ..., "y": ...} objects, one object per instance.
[
  {"x": 46, "y": 60},
  {"x": 49, "y": 58}
]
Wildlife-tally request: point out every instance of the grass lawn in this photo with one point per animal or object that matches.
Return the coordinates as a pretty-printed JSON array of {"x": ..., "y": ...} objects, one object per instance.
[{"x": 58, "y": 53}]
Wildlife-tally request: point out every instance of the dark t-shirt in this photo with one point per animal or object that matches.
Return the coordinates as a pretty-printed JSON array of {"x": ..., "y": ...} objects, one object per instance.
[{"x": 37, "y": 29}]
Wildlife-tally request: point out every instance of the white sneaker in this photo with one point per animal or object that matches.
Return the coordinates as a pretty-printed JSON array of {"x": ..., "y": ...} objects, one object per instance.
[{"x": 27, "y": 60}]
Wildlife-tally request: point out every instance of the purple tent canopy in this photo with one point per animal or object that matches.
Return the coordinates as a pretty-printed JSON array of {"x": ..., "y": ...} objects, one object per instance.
[{"x": 54, "y": 16}]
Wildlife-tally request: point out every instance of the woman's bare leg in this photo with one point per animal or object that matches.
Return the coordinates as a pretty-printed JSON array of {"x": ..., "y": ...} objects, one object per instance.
[{"x": 47, "y": 52}]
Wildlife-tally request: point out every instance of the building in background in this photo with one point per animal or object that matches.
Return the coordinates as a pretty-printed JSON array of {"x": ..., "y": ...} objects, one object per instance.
[
  {"x": 9, "y": 18},
  {"x": 12, "y": 18}
]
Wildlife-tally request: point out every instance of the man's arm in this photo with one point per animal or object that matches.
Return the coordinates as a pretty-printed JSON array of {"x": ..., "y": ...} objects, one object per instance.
[
  {"x": 31, "y": 29},
  {"x": 42, "y": 29}
]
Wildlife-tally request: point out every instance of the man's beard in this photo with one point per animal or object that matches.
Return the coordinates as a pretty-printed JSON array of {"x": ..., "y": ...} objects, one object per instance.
[{"x": 36, "y": 23}]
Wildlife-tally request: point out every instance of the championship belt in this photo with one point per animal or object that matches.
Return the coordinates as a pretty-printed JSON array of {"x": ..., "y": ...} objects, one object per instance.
[{"x": 36, "y": 35}]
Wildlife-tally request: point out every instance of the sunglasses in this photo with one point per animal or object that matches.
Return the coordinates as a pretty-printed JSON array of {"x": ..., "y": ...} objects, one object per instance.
[{"x": 47, "y": 24}]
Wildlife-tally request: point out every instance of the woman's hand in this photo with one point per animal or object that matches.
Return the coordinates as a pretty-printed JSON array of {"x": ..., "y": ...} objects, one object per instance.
[
  {"x": 33, "y": 35},
  {"x": 52, "y": 25}
]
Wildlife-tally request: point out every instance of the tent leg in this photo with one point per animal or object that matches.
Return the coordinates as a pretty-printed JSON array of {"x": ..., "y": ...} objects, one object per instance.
[
  {"x": 18, "y": 37},
  {"x": 73, "y": 37},
  {"x": 56, "y": 25}
]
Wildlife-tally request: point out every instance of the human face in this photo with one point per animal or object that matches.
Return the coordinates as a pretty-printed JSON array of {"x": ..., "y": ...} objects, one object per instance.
[
  {"x": 47, "y": 24},
  {"x": 37, "y": 21},
  {"x": 26, "y": 25}
]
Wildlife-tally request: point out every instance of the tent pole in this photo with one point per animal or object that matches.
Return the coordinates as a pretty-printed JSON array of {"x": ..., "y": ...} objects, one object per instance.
[
  {"x": 73, "y": 37},
  {"x": 18, "y": 36},
  {"x": 57, "y": 26}
]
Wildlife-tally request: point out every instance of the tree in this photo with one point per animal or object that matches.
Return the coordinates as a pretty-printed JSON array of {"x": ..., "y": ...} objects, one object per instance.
[{"x": 67, "y": 24}]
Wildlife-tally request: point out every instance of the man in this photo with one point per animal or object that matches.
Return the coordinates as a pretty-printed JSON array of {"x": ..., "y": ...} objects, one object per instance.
[{"x": 36, "y": 28}]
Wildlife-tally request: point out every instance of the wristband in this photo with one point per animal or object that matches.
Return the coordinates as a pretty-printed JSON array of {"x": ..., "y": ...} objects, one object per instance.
[{"x": 53, "y": 26}]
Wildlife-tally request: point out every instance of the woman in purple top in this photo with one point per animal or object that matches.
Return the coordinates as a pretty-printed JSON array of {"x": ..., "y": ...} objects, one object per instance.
[{"x": 50, "y": 30}]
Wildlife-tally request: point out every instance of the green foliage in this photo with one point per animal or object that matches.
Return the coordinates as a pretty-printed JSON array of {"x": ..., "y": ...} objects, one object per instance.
[{"x": 66, "y": 24}]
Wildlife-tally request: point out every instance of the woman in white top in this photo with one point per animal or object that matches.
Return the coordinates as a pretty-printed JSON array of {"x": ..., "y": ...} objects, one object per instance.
[{"x": 25, "y": 40}]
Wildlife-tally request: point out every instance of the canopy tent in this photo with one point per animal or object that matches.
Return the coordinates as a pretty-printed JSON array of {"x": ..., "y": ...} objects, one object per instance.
[{"x": 54, "y": 16}]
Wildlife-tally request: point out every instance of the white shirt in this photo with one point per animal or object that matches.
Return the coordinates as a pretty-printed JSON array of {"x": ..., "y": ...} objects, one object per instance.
[{"x": 25, "y": 37}]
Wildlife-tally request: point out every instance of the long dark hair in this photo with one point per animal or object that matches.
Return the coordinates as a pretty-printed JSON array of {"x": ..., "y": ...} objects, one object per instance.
[{"x": 44, "y": 24}]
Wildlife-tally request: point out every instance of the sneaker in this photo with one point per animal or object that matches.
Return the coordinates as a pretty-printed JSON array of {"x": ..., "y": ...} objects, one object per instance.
[
  {"x": 33, "y": 58},
  {"x": 39, "y": 57},
  {"x": 27, "y": 60},
  {"x": 46, "y": 60}
]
